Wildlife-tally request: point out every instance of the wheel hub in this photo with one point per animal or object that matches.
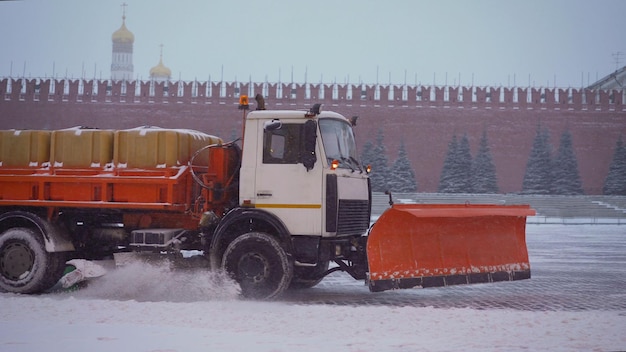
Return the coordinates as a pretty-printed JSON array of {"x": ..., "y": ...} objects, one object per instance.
[
  {"x": 16, "y": 261},
  {"x": 253, "y": 267}
]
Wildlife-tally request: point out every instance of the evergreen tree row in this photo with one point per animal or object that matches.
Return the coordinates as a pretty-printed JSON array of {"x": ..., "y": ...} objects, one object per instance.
[
  {"x": 399, "y": 177},
  {"x": 462, "y": 174},
  {"x": 546, "y": 174}
]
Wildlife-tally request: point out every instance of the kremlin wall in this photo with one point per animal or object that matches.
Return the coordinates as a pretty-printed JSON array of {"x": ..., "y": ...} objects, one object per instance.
[{"x": 424, "y": 118}]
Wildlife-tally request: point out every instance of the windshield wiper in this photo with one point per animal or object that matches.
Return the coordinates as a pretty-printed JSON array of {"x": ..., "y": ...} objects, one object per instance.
[
  {"x": 348, "y": 162},
  {"x": 356, "y": 163}
]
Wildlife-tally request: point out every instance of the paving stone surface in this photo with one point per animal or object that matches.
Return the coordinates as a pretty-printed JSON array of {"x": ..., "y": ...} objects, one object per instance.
[{"x": 573, "y": 268}]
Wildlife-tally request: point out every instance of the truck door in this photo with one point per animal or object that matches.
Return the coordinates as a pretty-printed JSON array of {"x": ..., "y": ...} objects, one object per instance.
[{"x": 289, "y": 175}]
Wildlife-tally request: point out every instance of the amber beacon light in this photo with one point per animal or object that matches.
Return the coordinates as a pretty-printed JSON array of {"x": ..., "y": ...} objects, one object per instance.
[{"x": 243, "y": 102}]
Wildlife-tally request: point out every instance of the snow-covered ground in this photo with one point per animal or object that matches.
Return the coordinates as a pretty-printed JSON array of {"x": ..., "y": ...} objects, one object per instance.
[{"x": 140, "y": 308}]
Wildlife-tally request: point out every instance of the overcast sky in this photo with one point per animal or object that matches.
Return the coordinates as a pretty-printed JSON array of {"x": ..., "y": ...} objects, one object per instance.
[{"x": 537, "y": 42}]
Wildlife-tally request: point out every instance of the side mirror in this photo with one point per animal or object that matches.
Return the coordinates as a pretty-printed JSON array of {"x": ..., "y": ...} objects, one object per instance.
[
  {"x": 310, "y": 136},
  {"x": 272, "y": 125}
]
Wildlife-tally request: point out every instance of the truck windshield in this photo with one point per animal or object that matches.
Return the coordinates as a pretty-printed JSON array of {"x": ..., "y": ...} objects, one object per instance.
[{"x": 339, "y": 143}]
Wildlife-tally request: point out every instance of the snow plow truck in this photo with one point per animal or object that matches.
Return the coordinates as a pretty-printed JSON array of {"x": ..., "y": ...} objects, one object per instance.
[{"x": 281, "y": 208}]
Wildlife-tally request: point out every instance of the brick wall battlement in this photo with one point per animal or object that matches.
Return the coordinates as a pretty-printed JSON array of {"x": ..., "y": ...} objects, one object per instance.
[{"x": 101, "y": 91}]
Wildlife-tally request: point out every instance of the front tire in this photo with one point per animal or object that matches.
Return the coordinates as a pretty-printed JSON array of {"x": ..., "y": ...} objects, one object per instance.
[
  {"x": 25, "y": 266},
  {"x": 259, "y": 264}
]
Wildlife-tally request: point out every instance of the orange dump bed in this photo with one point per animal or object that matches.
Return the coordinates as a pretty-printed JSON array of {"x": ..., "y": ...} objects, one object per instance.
[
  {"x": 439, "y": 245},
  {"x": 124, "y": 189},
  {"x": 145, "y": 168}
]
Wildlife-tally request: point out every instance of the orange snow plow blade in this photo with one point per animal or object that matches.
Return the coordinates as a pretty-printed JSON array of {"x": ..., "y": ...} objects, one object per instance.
[{"x": 431, "y": 245}]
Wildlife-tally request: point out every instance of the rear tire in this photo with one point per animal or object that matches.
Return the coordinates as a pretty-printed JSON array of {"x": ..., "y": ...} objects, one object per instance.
[
  {"x": 259, "y": 264},
  {"x": 25, "y": 266}
]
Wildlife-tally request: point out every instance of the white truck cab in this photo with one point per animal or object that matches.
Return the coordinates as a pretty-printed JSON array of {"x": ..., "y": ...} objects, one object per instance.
[{"x": 303, "y": 167}]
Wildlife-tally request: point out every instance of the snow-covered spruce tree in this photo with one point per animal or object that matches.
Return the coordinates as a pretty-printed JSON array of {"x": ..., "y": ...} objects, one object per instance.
[
  {"x": 566, "y": 179},
  {"x": 538, "y": 176},
  {"x": 447, "y": 179},
  {"x": 464, "y": 171},
  {"x": 615, "y": 182},
  {"x": 380, "y": 169},
  {"x": 484, "y": 179},
  {"x": 402, "y": 178},
  {"x": 457, "y": 168}
]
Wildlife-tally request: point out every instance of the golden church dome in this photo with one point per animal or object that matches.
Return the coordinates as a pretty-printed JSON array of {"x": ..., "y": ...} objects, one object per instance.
[
  {"x": 123, "y": 35},
  {"x": 160, "y": 70}
]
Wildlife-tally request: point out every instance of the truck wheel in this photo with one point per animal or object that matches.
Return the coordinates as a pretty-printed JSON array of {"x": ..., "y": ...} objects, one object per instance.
[
  {"x": 259, "y": 264},
  {"x": 308, "y": 276},
  {"x": 25, "y": 266}
]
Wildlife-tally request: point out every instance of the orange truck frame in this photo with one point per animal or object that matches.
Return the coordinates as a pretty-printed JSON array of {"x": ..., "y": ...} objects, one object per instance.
[{"x": 273, "y": 214}]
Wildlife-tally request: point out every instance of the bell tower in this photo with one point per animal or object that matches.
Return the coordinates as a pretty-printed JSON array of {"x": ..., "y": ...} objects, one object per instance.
[{"x": 122, "y": 59}]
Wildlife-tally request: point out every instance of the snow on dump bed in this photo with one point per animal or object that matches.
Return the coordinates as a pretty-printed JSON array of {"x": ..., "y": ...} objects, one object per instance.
[
  {"x": 78, "y": 130},
  {"x": 143, "y": 130}
]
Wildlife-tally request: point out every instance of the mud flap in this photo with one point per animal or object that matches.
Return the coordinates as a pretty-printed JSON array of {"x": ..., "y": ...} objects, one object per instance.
[{"x": 430, "y": 245}]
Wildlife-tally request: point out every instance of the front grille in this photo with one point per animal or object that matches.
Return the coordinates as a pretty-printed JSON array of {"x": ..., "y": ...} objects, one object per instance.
[
  {"x": 354, "y": 217},
  {"x": 154, "y": 238}
]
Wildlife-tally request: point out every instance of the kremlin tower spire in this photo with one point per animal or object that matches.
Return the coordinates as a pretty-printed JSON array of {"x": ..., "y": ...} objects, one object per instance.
[{"x": 122, "y": 60}]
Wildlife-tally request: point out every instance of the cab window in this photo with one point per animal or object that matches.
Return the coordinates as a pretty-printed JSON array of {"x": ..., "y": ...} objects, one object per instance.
[{"x": 283, "y": 145}]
